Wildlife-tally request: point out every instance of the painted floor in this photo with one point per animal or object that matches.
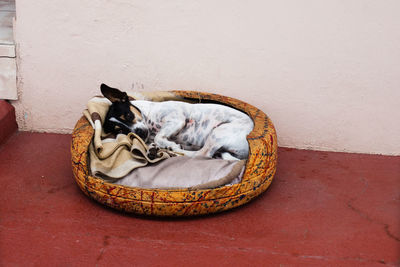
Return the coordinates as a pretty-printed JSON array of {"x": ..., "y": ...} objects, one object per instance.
[{"x": 322, "y": 209}]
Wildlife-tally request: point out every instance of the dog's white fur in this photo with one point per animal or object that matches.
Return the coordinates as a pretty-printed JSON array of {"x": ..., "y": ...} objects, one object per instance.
[{"x": 195, "y": 129}]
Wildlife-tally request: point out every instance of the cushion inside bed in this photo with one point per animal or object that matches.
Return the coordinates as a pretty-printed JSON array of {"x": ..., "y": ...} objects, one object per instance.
[{"x": 185, "y": 172}]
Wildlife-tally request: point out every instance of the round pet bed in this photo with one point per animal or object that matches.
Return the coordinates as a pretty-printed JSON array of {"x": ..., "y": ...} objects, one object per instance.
[{"x": 258, "y": 175}]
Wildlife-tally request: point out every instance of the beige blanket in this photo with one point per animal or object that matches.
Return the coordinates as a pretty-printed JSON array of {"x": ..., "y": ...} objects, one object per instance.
[
  {"x": 185, "y": 172},
  {"x": 114, "y": 157}
]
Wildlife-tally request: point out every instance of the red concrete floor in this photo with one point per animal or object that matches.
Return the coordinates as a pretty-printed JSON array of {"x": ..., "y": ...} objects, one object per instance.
[{"x": 323, "y": 209}]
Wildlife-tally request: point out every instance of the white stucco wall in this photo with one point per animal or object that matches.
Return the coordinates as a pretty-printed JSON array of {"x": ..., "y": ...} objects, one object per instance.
[{"x": 326, "y": 72}]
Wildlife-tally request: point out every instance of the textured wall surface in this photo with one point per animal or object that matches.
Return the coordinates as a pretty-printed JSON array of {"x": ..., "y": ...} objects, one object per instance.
[{"x": 326, "y": 72}]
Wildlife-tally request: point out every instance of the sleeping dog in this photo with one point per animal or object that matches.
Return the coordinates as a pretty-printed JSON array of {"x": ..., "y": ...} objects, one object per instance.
[{"x": 205, "y": 130}]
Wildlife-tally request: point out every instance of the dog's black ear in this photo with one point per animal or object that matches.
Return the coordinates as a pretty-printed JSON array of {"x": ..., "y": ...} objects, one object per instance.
[{"x": 113, "y": 94}]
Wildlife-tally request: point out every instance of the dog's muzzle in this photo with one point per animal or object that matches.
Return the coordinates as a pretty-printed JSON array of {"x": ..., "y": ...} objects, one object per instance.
[{"x": 142, "y": 133}]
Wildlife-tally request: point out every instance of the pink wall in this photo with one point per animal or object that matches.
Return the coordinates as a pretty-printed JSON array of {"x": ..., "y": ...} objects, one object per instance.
[{"x": 327, "y": 72}]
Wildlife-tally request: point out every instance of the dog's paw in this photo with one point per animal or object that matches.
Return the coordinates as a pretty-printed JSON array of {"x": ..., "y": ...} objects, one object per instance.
[
  {"x": 152, "y": 151},
  {"x": 176, "y": 147}
]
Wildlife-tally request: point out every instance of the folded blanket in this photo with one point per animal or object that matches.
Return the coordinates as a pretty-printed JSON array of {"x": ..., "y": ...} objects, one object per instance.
[{"x": 116, "y": 156}]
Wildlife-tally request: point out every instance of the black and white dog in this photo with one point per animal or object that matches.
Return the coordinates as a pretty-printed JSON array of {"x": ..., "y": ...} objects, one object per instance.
[{"x": 191, "y": 129}]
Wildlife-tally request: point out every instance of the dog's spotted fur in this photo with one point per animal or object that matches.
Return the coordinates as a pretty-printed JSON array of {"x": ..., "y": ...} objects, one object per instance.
[{"x": 192, "y": 129}]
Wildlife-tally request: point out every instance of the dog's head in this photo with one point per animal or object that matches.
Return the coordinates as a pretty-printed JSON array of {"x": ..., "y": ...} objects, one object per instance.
[{"x": 122, "y": 116}]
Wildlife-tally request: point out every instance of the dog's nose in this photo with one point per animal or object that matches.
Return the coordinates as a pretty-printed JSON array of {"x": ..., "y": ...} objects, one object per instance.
[{"x": 143, "y": 133}]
